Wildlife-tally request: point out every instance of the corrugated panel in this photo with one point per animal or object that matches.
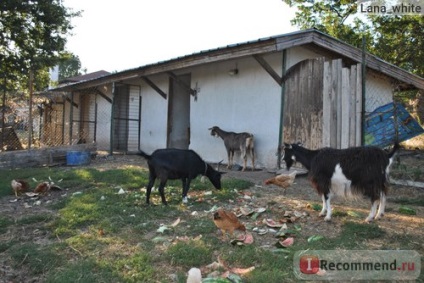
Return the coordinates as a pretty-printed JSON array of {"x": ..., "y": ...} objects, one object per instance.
[{"x": 382, "y": 124}]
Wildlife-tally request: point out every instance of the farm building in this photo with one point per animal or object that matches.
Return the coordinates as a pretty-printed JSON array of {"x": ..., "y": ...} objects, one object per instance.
[{"x": 303, "y": 86}]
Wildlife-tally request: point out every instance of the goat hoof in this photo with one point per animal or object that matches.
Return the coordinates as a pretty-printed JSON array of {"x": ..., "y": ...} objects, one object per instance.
[
  {"x": 368, "y": 219},
  {"x": 185, "y": 200},
  {"x": 327, "y": 219}
]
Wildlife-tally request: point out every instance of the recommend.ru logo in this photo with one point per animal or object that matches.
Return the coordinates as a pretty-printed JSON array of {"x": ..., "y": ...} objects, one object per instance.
[{"x": 357, "y": 265}]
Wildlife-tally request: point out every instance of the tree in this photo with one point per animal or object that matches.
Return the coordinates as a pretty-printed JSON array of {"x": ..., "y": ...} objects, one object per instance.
[
  {"x": 396, "y": 39},
  {"x": 33, "y": 36},
  {"x": 69, "y": 66}
]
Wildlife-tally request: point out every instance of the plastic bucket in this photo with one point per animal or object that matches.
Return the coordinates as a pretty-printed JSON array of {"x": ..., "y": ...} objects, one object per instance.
[{"x": 75, "y": 158}]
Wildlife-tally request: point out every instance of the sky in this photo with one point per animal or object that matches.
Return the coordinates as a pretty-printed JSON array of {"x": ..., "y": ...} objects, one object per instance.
[{"x": 126, "y": 34}]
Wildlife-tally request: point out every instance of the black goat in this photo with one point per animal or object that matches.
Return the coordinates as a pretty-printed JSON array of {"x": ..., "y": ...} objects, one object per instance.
[
  {"x": 242, "y": 142},
  {"x": 172, "y": 164},
  {"x": 352, "y": 171}
]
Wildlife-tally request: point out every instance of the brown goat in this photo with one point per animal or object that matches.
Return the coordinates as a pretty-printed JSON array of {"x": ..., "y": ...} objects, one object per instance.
[{"x": 242, "y": 142}]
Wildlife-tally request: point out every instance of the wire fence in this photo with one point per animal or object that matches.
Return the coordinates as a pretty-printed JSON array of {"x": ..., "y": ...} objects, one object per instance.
[{"x": 71, "y": 119}]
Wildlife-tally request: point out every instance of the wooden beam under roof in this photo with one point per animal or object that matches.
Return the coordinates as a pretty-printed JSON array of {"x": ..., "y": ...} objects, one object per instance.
[
  {"x": 268, "y": 68},
  {"x": 183, "y": 84},
  {"x": 107, "y": 98},
  {"x": 205, "y": 57},
  {"x": 154, "y": 86}
]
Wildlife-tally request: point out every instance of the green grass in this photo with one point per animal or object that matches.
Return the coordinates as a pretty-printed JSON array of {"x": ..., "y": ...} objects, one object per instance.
[
  {"x": 4, "y": 224},
  {"x": 409, "y": 201},
  {"x": 189, "y": 254},
  {"x": 99, "y": 235},
  {"x": 37, "y": 258}
]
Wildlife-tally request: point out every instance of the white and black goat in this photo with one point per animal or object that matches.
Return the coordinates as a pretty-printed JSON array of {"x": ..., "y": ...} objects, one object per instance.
[
  {"x": 242, "y": 142},
  {"x": 349, "y": 172}
]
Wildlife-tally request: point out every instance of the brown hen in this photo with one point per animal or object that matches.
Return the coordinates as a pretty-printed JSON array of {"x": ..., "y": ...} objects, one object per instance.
[
  {"x": 19, "y": 186},
  {"x": 282, "y": 180},
  {"x": 42, "y": 188},
  {"x": 227, "y": 221}
]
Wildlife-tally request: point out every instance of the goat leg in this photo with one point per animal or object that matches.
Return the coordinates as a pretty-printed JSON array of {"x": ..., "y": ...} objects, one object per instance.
[
  {"x": 243, "y": 154},
  {"x": 372, "y": 211},
  {"x": 252, "y": 154},
  {"x": 382, "y": 206},
  {"x": 149, "y": 189},
  {"x": 161, "y": 191},
  {"x": 186, "y": 185},
  {"x": 326, "y": 206}
]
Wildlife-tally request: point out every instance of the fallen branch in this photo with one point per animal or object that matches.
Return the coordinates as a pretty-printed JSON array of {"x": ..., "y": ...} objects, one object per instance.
[{"x": 408, "y": 183}]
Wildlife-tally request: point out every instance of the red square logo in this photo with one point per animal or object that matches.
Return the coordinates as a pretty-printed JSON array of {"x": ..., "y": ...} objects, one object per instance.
[{"x": 309, "y": 264}]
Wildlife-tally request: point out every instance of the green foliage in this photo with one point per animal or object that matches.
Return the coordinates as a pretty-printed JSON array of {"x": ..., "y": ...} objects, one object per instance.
[
  {"x": 69, "y": 66},
  {"x": 396, "y": 39},
  {"x": 33, "y": 37}
]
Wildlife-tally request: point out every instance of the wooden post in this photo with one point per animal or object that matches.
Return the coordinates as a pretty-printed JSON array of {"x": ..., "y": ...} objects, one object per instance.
[
  {"x": 326, "y": 105},
  {"x": 31, "y": 90},
  {"x": 363, "y": 91},
  {"x": 283, "y": 97},
  {"x": 345, "y": 114},
  {"x": 71, "y": 118},
  {"x": 359, "y": 106},
  {"x": 112, "y": 113},
  {"x": 3, "y": 110}
]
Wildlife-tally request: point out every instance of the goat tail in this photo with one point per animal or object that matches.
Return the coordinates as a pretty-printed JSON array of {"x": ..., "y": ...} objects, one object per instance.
[
  {"x": 394, "y": 150},
  {"x": 250, "y": 142},
  {"x": 145, "y": 155}
]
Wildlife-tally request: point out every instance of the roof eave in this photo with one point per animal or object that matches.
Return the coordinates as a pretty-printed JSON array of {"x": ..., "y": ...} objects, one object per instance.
[{"x": 264, "y": 45}]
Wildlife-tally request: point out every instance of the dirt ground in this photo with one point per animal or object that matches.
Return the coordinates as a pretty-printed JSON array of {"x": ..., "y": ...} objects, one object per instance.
[
  {"x": 300, "y": 195},
  {"x": 276, "y": 200}
]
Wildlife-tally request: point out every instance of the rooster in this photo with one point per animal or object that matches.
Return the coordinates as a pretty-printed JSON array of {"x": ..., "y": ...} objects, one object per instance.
[
  {"x": 227, "y": 221},
  {"x": 19, "y": 186},
  {"x": 282, "y": 180}
]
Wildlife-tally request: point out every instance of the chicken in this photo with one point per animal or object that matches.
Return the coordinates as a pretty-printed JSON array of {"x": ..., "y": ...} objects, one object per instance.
[
  {"x": 19, "y": 186},
  {"x": 42, "y": 188},
  {"x": 282, "y": 180},
  {"x": 227, "y": 221}
]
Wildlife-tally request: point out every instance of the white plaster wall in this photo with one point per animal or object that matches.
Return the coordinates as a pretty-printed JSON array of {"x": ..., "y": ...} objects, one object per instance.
[
  {"x": 154, "y": 115},
  {"x": 297, "y": 54},
  {"x": 249, "y": 101}
]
